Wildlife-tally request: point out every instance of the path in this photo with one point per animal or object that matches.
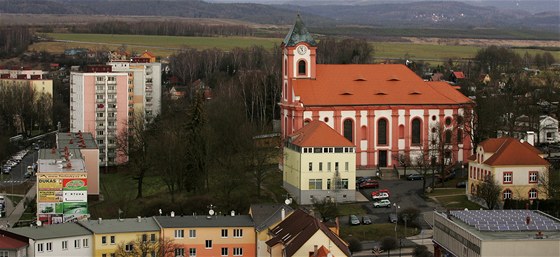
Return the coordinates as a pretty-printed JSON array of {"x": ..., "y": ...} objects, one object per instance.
[{"x": 14, "y": 213}]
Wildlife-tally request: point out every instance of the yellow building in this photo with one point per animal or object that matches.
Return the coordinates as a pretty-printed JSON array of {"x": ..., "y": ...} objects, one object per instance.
[
  {"x": 319, "y": 164},
  {"x": 212, "y": 235},
  {"x": 517, "y": 167},
  {"x": 40, "y": 86},
  {"x": 301, "y": 234},
  {"x": 109, "y": 234}
]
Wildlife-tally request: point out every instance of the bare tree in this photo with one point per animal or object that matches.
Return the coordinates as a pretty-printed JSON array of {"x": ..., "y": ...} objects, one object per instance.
[
  {"x": 144, "y": 246},
  {"x": 489, "y": 191}
]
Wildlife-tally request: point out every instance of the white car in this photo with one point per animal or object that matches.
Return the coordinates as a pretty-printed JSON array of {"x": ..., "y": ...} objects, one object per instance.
[
  {"x": 380, "y": 196},
  {"x": 383, "y": 203}
]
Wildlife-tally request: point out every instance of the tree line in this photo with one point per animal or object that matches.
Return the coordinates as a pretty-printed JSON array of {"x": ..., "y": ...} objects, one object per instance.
[
  {"x": 14, "y": 40},
  {"x": 164, "y": 28}
]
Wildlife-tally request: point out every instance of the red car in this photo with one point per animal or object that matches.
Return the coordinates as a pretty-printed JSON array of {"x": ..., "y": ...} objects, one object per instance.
[
  {"x": 369, "y": 184},
  {"x": 374, "y": 193}
]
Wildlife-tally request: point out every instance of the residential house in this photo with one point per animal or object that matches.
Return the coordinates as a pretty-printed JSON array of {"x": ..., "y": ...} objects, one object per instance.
[
  {"x": 67, "y": 239},
  {"x": 266, "y": 217},
  {"x": 301, "y": 234},
  {"x": 384, "y": 109},
  {"x": 517, "y": 167},
  {"x": 210, "y": 235},
  {"x": 319, "y": 164},
  {"x": 13, "y": 245},
  {"x": 546, "y": 128},
  {"x": 488, "y": 233},
  {"x": 456, "y": 76},
  {"x": 485, "y": 78},
  {"x": 149, "y": 55},
  {"x": 110, "y": 234}
]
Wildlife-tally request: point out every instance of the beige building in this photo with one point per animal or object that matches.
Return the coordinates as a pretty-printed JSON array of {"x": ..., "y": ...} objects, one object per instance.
[
  {"x": 266, "y": 217},
  {"x": 319, "y": 164},
  {"x": 488, "y": 233},
  {"x": 517, "y": 167}
]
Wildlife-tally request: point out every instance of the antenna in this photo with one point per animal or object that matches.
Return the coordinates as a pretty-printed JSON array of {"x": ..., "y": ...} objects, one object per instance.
[{"x": 211, "y": 211}]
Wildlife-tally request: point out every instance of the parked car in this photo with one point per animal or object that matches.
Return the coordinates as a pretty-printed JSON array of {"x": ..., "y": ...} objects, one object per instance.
[
  {"x": 366, "y": 220},
  {"x": 415, "y": 177},
  {"x": 28, "y": 174},
  {"x": 447, "y": 177},
  {"x": 369, "y": 184},
  {"x": 382, "y": 203},
  {"x": 353, "y": 220},
  {"x": 393, "y": 218},
  {"x": 461, "y": 184},
  {"x": 6, "y": 169},
  {"x": 376, "y": 192},
  {"x": 380, "y": 196}
]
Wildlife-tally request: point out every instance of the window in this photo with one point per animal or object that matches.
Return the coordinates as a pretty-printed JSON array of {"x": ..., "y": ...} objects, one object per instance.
[
  {"x": 128, "y": 248},
  {"x": 507, "y": 194},
  {"x": 344, "y": 183},
  {"x": 104, "y": 240},
  {"x": 448, "y": 136},
  {"x": 64, "y": 245},
  {"x": 144, "y": 237},
  {"x": 459, "y": 136},
  {"x": 112, "y": 240},
  {"x": 40, "y": 248},
  {"x": 448, "y": 121},
  {"x": 533, "y": 194},
  {"x": 315, "y": 184},
  {"x": 49, "y": 246},
  {"x": 348, "y": 129},
  {"x": 224, "y": 232},
  {"x": 153, "y": 237},
  {"x": 179, "y": 233},
  {"x": 77, "y": 243},
  {"x": 179, "y": 252},
  {"x": 508, "y": 177},
  {"x": 310, "y": 166},
  {"x": 85, "y": 243},
  {"x": 99, "y": 115},
  {"x": 104, "y": 255},
  {"x": 192, "y": 233},
  {"x": 238, "y": 232},
  {"x": 416, "y": 132},
  {"x": 4, "y": 254},
  {"x": 533, "y": 176},
  {"x": 208, "y": 244},
  {"x": 382, "y": 132},
  {"x": 302, "y": 67},
  {"x": 336, "y": 166},
  {"x": 112, "y": 255},
  {"x": 192, "y": 252},
  {"x": 329, "y": 183},
  {"x": 320, "y": 166},
  {"x": 224, "y": 251},
  {"x": 237, "y": 251},
  {"x": 328, "y": 166}
]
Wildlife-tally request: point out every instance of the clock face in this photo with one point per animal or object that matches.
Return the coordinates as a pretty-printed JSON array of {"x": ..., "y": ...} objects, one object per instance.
[{"x": 302, "y": 49}]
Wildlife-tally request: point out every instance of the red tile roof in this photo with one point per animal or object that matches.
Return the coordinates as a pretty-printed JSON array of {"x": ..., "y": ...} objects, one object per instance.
[
  {"x": 294, "y": 231},
  {"x": 373, "y": 84},
  {"x": 510, "y": 151},
  {"x": 318, "y": 134},
  {"x": 321, "y": 252},
  {"x": 7, "y": 242},
  {"x": 459, "y": 74}
]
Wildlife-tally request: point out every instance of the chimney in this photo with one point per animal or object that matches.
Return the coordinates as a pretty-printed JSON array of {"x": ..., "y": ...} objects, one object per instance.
[
  {"x": 139, "y": 219},
  {"x": 232, "y": 213},
  {"x": 99, "y": 220},
  {"x": 531, "y": 137},
  {"x": 315, "y": 250},
  {"x": 172, "y": 214},
  {"x": 283, "y": 213}
]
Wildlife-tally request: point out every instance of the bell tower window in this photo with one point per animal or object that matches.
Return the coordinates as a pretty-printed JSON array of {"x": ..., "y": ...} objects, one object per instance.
[{"x": 302, "y": 67}]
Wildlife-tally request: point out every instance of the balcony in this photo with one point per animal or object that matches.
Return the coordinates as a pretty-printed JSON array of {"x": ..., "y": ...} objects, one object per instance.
[
  {"x": 99, "y": 118},
  {"x": 112, "y": 100},
  {"x": 148, "y": 89},
  {"x": 101, "y": 91},
  {"x": 100, "y": 100}
]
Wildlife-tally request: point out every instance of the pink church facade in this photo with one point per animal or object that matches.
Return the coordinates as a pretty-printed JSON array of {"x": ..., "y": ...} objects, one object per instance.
[{"x": 386, "y": 110}]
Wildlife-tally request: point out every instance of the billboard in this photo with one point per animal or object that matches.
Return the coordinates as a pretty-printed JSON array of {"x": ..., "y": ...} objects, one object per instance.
[
  {"x": 50, "y": 184},
  {"x": 50, "y": 196},
  {"x": 61, "y": 197},
  {"x": 78, "y": 184},
  {"x": 74, "y": 196}
]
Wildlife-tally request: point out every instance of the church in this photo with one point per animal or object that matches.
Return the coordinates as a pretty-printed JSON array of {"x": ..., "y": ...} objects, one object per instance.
[{"x": 385, "y": 110}]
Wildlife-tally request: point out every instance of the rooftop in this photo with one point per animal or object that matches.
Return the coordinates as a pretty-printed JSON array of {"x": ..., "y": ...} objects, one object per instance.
[
  {"x": 76, "y": 140},
  {"x": 318, "y": 134},
  {"x": 266, "y": 215},
  {"x": 51, "y": 231},
  {"x": 11, "y": 243},
  {"x": 120, "y": 225},
  {"x": 54, "y": 160},
  {"x": 298, "y": 33},
  {"x": 201, "y": 221},
  {"x": 506, "y": 224},
  {"x": 510, "y": 151}
]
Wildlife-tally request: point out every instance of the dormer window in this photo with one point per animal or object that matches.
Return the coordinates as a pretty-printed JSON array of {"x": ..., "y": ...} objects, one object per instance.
[{"x": 302, "y": 68}]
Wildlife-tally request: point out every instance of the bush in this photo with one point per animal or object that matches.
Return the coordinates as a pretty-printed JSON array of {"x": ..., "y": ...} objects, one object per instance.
[
  {"x": 354, "y": 245},
  {"x": 412, "y": 215}
]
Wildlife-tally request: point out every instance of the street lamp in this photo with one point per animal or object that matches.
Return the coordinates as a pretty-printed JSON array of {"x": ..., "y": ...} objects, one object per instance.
[{"x": 397, "y": 207}]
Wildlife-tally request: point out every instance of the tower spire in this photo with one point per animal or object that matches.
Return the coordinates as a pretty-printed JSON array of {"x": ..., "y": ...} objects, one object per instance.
[{"x": 298, "y": 33}]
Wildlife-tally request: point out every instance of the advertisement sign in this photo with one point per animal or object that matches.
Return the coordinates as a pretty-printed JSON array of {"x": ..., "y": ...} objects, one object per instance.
[
  {"x": 74, "y": 196},
  {"x": 47, "y": 219},
  {"x": 50, "y": 208},
  {"x": 75, "y": 217},
  {"x": 74, "y": 184},
  {"x": 75, "y": 208},
  {"x": 53, "y": 184},
  {"x": 50, "y": 196},
  {"x": 65, "y": 175}
]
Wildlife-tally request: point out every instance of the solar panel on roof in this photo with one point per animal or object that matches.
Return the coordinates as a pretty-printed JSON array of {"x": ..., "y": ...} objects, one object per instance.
[{"x": 506, "y": 220}]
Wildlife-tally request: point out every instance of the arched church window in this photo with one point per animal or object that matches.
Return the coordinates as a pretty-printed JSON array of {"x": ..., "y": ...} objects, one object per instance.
[
  {"x": 416, "y": 131},
  {"x": 302, "y": 67},
  {"x": 348, "y": 130},
  {"x": 382, "y": 132}
]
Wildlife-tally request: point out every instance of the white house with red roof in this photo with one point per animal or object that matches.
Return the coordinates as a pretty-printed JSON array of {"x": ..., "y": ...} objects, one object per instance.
[
  {"x": 518, "y": 168},
  {"x": 319, "y": 164},
  {"x": 385, "y": 110}
]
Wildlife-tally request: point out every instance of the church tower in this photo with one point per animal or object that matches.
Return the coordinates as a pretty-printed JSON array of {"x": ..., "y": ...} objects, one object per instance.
[{"x": 299, "y": 61}]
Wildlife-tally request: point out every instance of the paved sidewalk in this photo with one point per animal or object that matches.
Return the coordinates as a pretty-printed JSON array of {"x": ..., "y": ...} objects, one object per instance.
[{"x": 16, "y": 213}]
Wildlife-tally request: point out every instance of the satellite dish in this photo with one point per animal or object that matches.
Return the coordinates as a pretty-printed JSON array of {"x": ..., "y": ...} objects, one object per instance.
[
  {"x": 39, "y": 223},
  {"x": 287, "y": 201},
  {"x": 211, "y": 212}
]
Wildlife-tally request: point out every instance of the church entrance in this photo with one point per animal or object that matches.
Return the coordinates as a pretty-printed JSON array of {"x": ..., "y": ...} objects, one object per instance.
[{"x": 382, "y": 159}]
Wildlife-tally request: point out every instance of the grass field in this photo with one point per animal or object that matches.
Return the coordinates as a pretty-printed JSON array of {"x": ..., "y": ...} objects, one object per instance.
[
  {"x": 167, "y": 45},
  {"x": 375, "y": 231}
]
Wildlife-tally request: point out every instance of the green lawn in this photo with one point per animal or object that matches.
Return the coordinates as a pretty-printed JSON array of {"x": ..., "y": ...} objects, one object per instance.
[
  {"x": 353, "y": 208},
  {"x": 446, "y": 191},
  {"x": 457, "y": 202},
  {"x": 166, "y": 45},
  {"x": 375, "y": 231}
]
